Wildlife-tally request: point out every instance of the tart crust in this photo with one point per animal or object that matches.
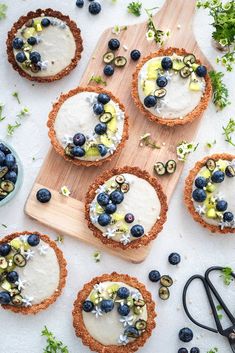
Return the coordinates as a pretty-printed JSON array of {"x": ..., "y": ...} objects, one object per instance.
[
  {"x": 48, "y": 12},
  {"x": 52, "y": 134},
  {"x": 81, "y": 330},
  {"x": 157, "y": 227},
  {"x": 189, "y": 189},
  {"x": 35, "y": 308},
  {"x": 197, "y": 111}
]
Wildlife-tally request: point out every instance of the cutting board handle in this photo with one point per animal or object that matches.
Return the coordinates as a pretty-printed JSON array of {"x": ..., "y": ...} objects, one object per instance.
[{"x": 182, "y": 9}]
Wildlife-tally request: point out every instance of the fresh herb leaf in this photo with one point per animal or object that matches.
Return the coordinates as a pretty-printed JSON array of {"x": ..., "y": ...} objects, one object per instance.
[
  {"x": 24, "y": 112},
  {"x": 98, "y": 79},
  {"x": 146, "y": 140},
  {"x": 65, "y": 191},
  {"x": 153, "y": 33},
  {"x": 16, "y": 95},
  {"x": 1, "y": 110},
  {"x": 228, "y": 130},
  {"x": 60, "y": 239},
  {"x": 53, "y": 345},
  {"x": 97, "y": 256},
  {"x": 213, "y": 350},
  {"x": 210, "y": 144},
  {"x": 11, "y": 128},
  {"x": 135, "y": 8},
  {"x": 117, "y": 29},
  {"x": 220, "y": 91},
  {"x": 3, "y": 10},
  {"x": 227, "y": 275}
]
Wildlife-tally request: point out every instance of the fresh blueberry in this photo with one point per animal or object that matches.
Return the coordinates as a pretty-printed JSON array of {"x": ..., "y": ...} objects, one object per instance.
[
  {"x": 166, "y": 63},
  {"x": 183, "y": 350},
  {"x": 228, "y": 217},
  {"x": 33, "y": 239},
  {"x": 21, "y": 57},
  {"x": 113, "y": 44},
  {"x": 100, "y": 128},
  {"x": 186, "y": 334},
  {"x": 195, "y": 350},
  {"x": 43, "y": 195},
  {"x": 221, "y": 205},
  {"x": 201, "y": 71},
  {"x": 123, "y": 309},
  {"x": 108, "y": 70},
  {"x": 104, "y": 219},
  {"x": 17, "y": 43},
  {"x": 137, "y": 231},
  {"x": 161, "y": 81},
  {"x": 2, "y": 158},
  {"x": 32, "y": 40},
  {"x": 116, "y": 197},
  {"x": 174, "y": 258},
  {"x": 98, "y": 108},
  {"x": 35, "y": 57},
  {"x": 80, "y": 3},
  {"x": 129, "y": 218},
  {"x": 107, "y": 305},
  {"x": 103, "y": 98},
  {"x": 5, "y": 249},
  {"x": 11, "y": 176},
  {"x": 131, "y": 331},
  {"x": 103, "y": 199},
  {"x": 229, "y": 171},
  {"x": 10, "y": 160},
  {"x": 12, "y": 276},
  {"x": 45, "y": 22},
  {"x": 199, "y": 195},
  {"x": 135, "y": 54},
  {"x": 102, "y": 149},
  {"x": 5, "y": 298},
  {"x": 79, "y": 139},
  {"x": 94, "y": 8},
  {"x": 154, "y": 276},
  {"x": 150, "y": 101},
  {"x": 4, "y": 149},
  {"x": 87, "y": 306},
  {"x": 217, "y": 176},
  {"x": 110, "y": 208},
  {"x": 200, "y": 182},
  {"x": 123, "y": 292},
  {"x": 78, "y": 151},
  {"x": 14, "y": 168}
]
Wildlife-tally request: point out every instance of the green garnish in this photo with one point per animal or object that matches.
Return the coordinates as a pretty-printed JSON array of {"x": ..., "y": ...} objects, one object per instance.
[
  {"x": 11, "y": 128},
  {"x": 227, "y": 275},
  {"x": 213, "y": 350},
  {"x": 135, "y": 8},
  {"x": 220, "y": 91},
  {"x": 53, "y": 345},
  {"x": 219, "y": 308},
  {"x": 146, "y": 140},
  {"x": 117, "y": 29},
  {"x": 153, "y": 33},
  {"x": 228, "y": 130},
  {"x": 97, "y": 256},
  {"x": 16, "y": 95},
  {"x": 4, "y": 225},
  {"x": 60, "y": 239},
  {"x": 210, "y": 144},
  {"x": 24, "y": 112},
  {"x": 1, "y": 110},
  {"x": 3, "y": 10},
  {"x": 65, "y": 191},
  {"x": 98, "y": 79},
  {"x": 184, "y": 149}
]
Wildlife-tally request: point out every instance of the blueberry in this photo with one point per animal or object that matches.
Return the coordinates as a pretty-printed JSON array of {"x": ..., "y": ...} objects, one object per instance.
[
  {"x": 167, "y": 63},
  {"x": 186, "y": 334},
  {"x": 228, "y": 217},
  {"x": 174, "y": 258},
  {"x": 14, "y": 168},
  {"x": 35, "y": 57},
  {"x": 17, "y": 43},
  {"x": 183, "y": 350},
  {"x": 123, "y": 309},
  {"x": 5, "y": 298},
  {"x": 87, "y": 306},
  {"x": 78, "y": 151},
  {"x": 162, "y": 81},
  {"x": 32, "y": 40},
  {"x": 221, "y": 205},
  {"x": 5, "y": 249},
  {"x": 79, "y": 139},
  {"x": 94, "y": 8},
  {"x": 154, "y": 276},
  {"x": 200, "y": 182},
  {"x": 11, "y": 176},
  {"x": 116, "y": 197},
  {"x": 102, "y": 149},
  {"x": 100, "y": 128},
  {"x": 129, "y": 218},
  {"x": 103, "y": 199},
  {"x": 199, "y": 195},
  {"x": 21, "y": 57},
  {"x": 150, "y": 101},
  {"x": 4, "y": 149},
  {"x": 131, "y": 331},
  {"x": 10, "y": 160},
  {"x": 137, "y": 231},
  {"x": 2, "y": 158},
  {"x": 80, "y": 3},
  {"x": 45, "y": 22},
  {"x": 107, "y": 305},
  {"x": 43, "y": 195},
  {"x": 33, "y": 239},
  {"x": 135, "y": 54},
  {"x": 201, "y": 71},
  {"x": 110, "y": 208},
  {"x": 104, "y": 219},
  {"x": 217, "y": 176},
  {"x": 123, "y": 292},
  {"x": 195, "y": 350},
  {"x": 103, "y": 98},
  {"x": 108, "y": 70},
  {"x": 113, "y": 44},
  {"x": 12, "y": 276},
  {"x": 98, "y": 108}
]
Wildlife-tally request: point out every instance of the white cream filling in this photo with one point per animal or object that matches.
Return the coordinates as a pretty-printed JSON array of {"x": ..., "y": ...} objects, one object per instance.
[
  {"x": 179, "y": 99},
  {"x": 107, "y": 328}
]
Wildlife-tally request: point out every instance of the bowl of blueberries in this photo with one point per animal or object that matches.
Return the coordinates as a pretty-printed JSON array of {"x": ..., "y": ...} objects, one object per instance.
[{"x": 11, "y": 173}]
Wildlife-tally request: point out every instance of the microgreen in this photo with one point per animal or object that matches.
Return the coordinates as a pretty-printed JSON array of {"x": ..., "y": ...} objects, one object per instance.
[
  {"x": 210, "y": 144},
  {"x": 65, "y": 191},
  {"x": 16, "y": 95},
  {"x": 3, "y": 10},
  {"x": 227, "y": 275},
  {"x": 98, "y": 79},
  {"x": 117, "y": 29},
  {"x": 153, "y": 33},
  {"x": 184, "y": 149},
  {"x": 1, "y": 111},
  {"x": 11, "y": 128},
  {"x": 228, "y": 130},
  {"x": 97, "y": 256},
  {"x": 60, "y": 239},
  {"x": 135, "y": 8},
  {"x": 220, "y": 91},
  {"x": 213, "y": 350},
  {"x": 24, "y": 112},
  {"x": 53, "y": 345},
  {"x": 146, "y": 140},
  {"x": 219, "y": 308}
]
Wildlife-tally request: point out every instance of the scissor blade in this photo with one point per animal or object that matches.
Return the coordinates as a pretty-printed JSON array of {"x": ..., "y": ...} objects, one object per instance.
[{"x": 232, "y": 344}]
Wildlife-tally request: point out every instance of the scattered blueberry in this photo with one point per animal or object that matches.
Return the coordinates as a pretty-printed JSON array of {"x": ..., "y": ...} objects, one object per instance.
[
  {"x": 123, "y": 292},
  {"x": 150, "y": 101},
  {"x": 195, "y": 350},
  {"x": 21, "y": 57},
  {"x": 103, "y": 98},
  {"x": 32, "y": 40},
  {"x": 161, "y": 81},
  {"x": 113, "y": 44},
  {"x": 116, "y": 197},
  {"x": 4, "y": 149},
  {"x": 45, "y": 22},
  {"x": 228, "y": 217},
  {"x": 87, "y": 306},
  {"x": 43, "y": 195},
  {"x": 100, "y": 128},
  {"x": 221, "y": 205},
  {"x": 2, "y": 158},
  {"x": 166, "y": 63},
  {"x": 78, "y": 151},
  {"x": 183, "y": 350},
  {"x": 123, "y": 309},
  {"x": 186, "y": 334},
  {"x": 10, "y": 160},
  {"x": 98, "y": 108},
  {"x": 199, "y": 195},
  {"x": 137, "y": 231},
  {"x": 35, "y": 57},
  {"x": 108, "y": 70},
  {"x": 12, "y": 276},
  {"x": 103, "y": 199},
  {"x": 129, "y": 218},
  {"x": 104, "y": 219},
  {"x": 131, "y": 331},
  {"x": 174, "y": 258},
  {"x": 5, "y": 249},
  {"x": 33, "y": 239},
  {"x": 135, "y": 54},
  {"x": 79, "y": 139},
  {"x": 15, "y": 168},
  {"x": 110, "y": 208},
  {"x": 201, "y": 182},
  {"x": 102, "y": 149},
  {"x": 154, "y": 276},
  {"x": 5, "y": 298},
  {"x": 11, "y": 176},
  {"x": 94, "y": 8},
  {"x": 107, "y": 305},
  {"x": 80, "y": 3},
  {"x": 201, "y": 71},
  {"x": 217, "y": 176},
  {"x": 17, "y": 43}
]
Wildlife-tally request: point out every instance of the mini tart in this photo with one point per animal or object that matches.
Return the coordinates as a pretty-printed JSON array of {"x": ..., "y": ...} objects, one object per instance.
[
  {"x": 169, "y": 110},
  {"x": 51, "y": 265},
  {"x": 210, "y": 211},
  {"x": 73, "y": 113},
  {"x": 91, "y": 326},
  {"x": 58, "y": 56},
  {"x": 137, "y": 220}
]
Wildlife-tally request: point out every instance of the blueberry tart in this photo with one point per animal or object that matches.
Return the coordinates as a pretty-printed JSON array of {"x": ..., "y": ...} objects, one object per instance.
[
  {"x": 44, "y": 45},
  {"x": 32, "y": 272},
  {"x": 209, "y": 193},
  {"x": 126, "y": 207},
  {"x": 114, "y": 313},
  {"x": 171, "y": 87},
  {"x": 88, "y": 126}
]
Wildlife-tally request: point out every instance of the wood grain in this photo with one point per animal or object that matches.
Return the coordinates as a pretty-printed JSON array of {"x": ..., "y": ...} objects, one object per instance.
[{"x": 70, "y": 212}]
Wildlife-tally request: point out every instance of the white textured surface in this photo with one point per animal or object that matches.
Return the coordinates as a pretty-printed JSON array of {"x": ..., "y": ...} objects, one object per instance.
[{"x": 198, "y": 248}]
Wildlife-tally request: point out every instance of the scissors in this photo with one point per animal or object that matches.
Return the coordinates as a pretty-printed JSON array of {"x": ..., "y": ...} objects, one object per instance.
[{"x": 210, "y": 289}]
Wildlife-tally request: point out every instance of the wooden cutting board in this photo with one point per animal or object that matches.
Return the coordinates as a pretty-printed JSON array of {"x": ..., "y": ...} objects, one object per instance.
[{"x": 65, "y": 215}]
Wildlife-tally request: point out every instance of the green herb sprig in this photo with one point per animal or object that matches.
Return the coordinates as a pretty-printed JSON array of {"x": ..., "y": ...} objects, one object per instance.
[
  {"x": 228, "y": 130},
  {"x": 227, "y": 275},
  {"x": 1, "y": 112},
  {"x": 98, "y": 79},
  {"x": 53, "y": 345},
  {"x": 220, "y": 91},
  {"x": 153, "y": 32},
  {"x": 213, "y": 350},
  {"x": 3, "y": 10},
  {"x": 12, "y": 127},
  {"x": 16, "y": 95},
  {"x": 135, "y": 8}
]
